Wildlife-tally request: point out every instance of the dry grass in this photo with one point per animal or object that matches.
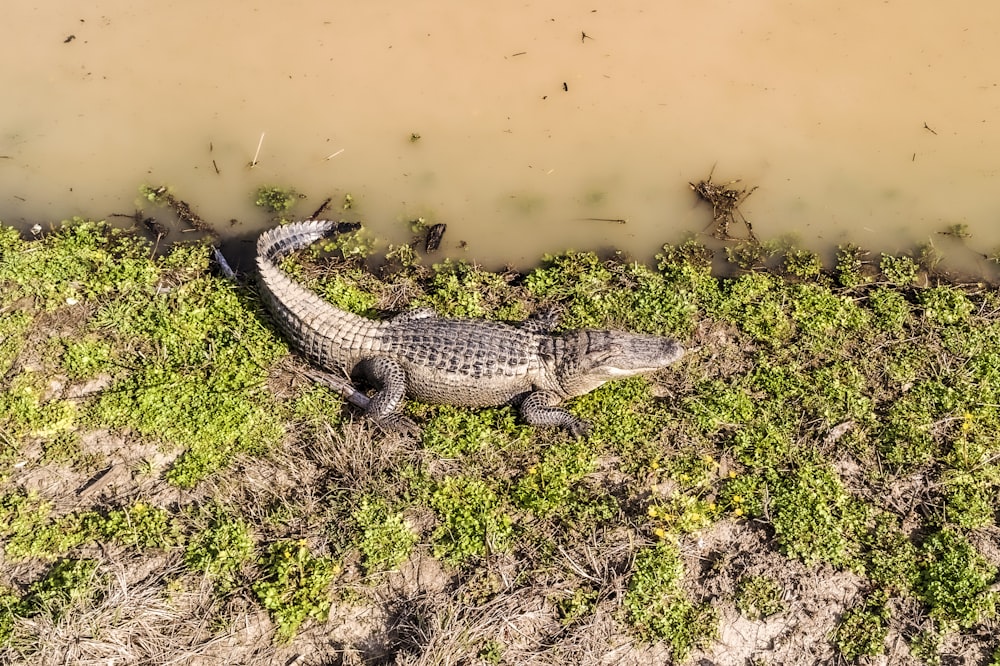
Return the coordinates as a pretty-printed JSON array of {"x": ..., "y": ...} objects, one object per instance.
[{"x": 129, "y": 619}]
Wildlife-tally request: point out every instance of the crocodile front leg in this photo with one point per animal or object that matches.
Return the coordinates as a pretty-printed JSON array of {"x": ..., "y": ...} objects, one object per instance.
[
  {"x": 539, "y": 409},
  {"x": 386, "y": 407}
]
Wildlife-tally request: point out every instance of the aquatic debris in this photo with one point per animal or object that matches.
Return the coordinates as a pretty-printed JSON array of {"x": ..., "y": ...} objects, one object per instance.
[{"x": 725, "y": 205}]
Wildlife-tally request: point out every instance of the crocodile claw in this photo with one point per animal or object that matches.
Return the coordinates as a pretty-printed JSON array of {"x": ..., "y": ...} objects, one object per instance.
[
  {"x": 399, "y": 424},
  {"x": 578, "y": 428}
]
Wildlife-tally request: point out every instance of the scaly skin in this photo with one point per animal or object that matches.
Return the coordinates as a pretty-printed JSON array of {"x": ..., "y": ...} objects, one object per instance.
[{"x": 466, "y": 362}]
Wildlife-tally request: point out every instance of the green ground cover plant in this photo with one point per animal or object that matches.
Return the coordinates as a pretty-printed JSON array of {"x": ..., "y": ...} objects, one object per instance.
[
  {"x": 386, "y": 540},
  {"x": 220, "y": 546},
  {"x": 295, "y": 585},
  {"x": 657, "y": 606},
  {"x": 759, "y": 596},
  {"x": 823, "y": 424},
  {"x": 863, "y": 629}
]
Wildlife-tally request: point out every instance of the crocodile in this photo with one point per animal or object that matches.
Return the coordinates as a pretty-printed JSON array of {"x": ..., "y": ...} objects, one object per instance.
[{"x": 439, "y": 360}]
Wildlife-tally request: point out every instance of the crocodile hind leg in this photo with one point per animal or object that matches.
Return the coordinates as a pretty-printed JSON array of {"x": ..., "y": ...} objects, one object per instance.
[
  {"x": 397, "y": 423},
  {"x": 539, "y": 409},
  {"x": 386, "y": 407}
]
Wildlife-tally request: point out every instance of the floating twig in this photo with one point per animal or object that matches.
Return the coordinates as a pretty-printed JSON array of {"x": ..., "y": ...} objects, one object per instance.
[{"x": 260, "y": 143}]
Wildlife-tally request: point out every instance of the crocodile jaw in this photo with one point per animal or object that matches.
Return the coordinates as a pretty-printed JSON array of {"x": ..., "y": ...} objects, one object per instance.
[{"x": 597, "y": 357}]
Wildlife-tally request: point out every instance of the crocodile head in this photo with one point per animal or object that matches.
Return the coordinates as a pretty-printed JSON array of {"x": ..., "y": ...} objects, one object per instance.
[{"x": 591, "y": 358}]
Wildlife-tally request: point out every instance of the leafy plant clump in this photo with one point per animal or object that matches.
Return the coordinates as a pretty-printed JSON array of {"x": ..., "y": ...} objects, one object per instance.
[
  {"x": 198, "y": 378},
  {"x": 955, "y": 580},
  {"x": 814, "y": 517},
  {"x": 474, "y": 519},
  {"x": 295, "y": 586},
  {"x": 863, "y": 629},
  {"x": 81, "y": 260},
  {"x": 759, "y": 596},
  {"x": 221, "y": 549},
  {"x": 657, "y": 608},
  {"x": 385, "y": 537},
  {"x": 276, "y": 199}
]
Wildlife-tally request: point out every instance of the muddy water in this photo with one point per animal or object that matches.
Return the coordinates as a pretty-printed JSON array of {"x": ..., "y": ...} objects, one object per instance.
[{"x": 875, "y": 122}]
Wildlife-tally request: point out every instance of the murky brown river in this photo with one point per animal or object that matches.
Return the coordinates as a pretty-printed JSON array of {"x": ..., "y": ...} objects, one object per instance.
[{"x": 874, "y": 122}]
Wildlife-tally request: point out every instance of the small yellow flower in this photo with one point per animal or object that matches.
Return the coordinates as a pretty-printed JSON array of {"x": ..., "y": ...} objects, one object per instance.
[
  {"x": 532, "y": 470},
  {"x": 651, "y": 511},
  {"x": 737, "y": 511},
  {"x": 737, "y": 499},
  {"x": 660, "y": 533},
  {"x": 732, "y": 474}
]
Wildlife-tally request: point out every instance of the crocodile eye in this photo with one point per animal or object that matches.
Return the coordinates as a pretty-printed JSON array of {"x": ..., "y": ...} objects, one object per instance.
[{"x": 608, "y": 355}]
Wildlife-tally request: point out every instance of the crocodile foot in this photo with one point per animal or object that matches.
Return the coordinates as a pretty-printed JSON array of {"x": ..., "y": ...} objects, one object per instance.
[
  {"x": 539, "y": 409},
  {"x": 400, "y": 424}
]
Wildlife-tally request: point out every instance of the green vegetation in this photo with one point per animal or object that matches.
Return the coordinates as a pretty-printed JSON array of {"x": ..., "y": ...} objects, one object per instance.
[
  {"x": 385, "y": 538},
  {"x": 954, "y": 580},
  {"x": 596, "y": 294},
  {"x": 814, "y": 517},
  {"x": 64, "y": 584},
  {"x": 759, "y": 596},
  {"x": 81, "y": 260},
  {"x": 220, "y": 549},
  {"x": 12, "y": 330},
  {"x": 84, "y": 359},
  {"x": 458, "y": 289},
  {"x": 276, "y": 199},
  {"x": 863, "y": 629},
  {"x": 657, "y": 607},
  {"x": 199, "y": 361},
  {"x": 474, "y": 519},
  {"x": 900, "y": 271},
  {"x": 28, "y": 530},
  {"x": 295, "y": 586},
  {"x": 150, "y": 412},
  {"x": 139, "y": 526},
  {"x": 577, "y": 606},
  {"x": 24, "y": 411},
  {"x": 890, "y": 558},
  {"x": 553, "y": 485},
  {"x": 802, "y": 263},
  {"x": 453, "y": 432}
]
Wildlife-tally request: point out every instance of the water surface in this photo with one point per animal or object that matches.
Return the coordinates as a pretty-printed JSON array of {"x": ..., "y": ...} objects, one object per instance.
[{"x": 874, "y": 122}]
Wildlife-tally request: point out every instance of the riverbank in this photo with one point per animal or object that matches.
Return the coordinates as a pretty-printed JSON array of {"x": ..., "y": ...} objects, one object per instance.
[{"x": 818, "y": 476}]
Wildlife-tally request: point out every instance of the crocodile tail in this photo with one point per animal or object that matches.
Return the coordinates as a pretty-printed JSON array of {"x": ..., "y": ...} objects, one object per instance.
[
  {"x": 328, "y": 336},
  {"x": 280, "y": 241}
]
